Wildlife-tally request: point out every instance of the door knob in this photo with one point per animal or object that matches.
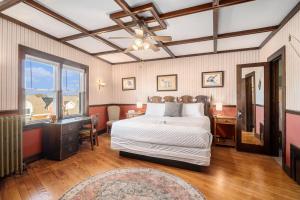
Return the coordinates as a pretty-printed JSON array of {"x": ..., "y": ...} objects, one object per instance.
[{"x": 239, "y": 115}]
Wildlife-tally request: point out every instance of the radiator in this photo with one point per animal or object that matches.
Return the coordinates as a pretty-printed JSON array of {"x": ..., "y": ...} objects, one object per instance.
[{"x": 11, "y": 154}]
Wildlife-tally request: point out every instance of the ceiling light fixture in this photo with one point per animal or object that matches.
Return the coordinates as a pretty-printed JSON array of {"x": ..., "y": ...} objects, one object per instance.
[
  {"x": 146, "y": 45},
  {"x": 138, "y": 42},
  {"x": 135, "y": 47}
]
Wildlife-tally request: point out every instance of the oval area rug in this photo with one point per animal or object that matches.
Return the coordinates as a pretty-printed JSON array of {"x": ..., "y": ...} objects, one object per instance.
[{"x": 133, "y": 184}]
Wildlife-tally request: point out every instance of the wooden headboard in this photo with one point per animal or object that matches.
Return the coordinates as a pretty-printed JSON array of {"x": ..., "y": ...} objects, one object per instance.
[{"x": 184, "y": 99}]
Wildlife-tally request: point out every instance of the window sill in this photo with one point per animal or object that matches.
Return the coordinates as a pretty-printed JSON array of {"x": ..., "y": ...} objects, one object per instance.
[{"x": 34, "y": 125}]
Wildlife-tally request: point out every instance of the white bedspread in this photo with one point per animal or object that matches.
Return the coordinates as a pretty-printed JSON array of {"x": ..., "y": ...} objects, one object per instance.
[{"x": 176, "y": 131}]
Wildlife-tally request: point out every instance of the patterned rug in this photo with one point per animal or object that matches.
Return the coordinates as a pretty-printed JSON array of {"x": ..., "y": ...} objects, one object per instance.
[{"x": 133, "y": 184}]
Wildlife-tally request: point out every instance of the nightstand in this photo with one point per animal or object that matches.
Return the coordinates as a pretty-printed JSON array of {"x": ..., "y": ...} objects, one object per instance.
[
  {"x": 224, "y": 121},
  {"x": 135, "y": 114}
]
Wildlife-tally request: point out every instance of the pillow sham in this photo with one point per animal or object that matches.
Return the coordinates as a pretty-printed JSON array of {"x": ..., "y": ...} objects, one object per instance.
[
  {"x": 173, "y": 109},
  {"x": 193, "y": 110},
  {"x": 155, "y": 109}
]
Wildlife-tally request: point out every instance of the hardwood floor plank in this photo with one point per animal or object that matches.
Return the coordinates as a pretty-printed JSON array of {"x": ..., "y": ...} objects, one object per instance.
[{"x": 232, "y": 175}]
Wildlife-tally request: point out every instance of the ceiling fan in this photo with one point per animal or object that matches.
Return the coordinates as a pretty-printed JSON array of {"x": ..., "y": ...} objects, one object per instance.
[{"x": 142, "y": 40}]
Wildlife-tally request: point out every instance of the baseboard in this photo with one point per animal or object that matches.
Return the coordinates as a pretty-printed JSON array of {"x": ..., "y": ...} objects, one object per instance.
[{"x": 33, "y": 158}]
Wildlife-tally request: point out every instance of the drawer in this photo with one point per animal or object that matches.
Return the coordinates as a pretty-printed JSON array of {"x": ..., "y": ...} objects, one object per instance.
[
  {"x": 69, "y": 149},
  {"x": 225, "y": 121},
  {"x": 70, "y": 128},
  {"x": 71, "y": 137}
]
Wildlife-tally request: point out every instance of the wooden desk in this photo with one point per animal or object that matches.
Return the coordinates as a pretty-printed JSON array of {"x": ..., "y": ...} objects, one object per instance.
[
  {"x": 224, "y": 120},
  {"x": 61, "y": 139}
]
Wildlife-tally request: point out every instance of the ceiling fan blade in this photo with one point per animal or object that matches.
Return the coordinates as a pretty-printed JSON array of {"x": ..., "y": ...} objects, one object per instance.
[
  {"x": 162, "y": 38},
  {"x": 128, "y": 49},
  {"x": 113, "y": 38},
  {"x": 153, "y": 47}
]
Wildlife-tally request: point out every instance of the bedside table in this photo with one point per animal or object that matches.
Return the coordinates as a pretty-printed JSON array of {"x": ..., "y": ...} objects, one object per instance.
[
  {"x": 135, "y": 114},
  {"x": 227, "y": 121}
]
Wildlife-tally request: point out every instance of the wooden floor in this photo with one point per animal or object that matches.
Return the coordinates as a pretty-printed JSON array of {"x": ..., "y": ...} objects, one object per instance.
[{"x": 232, "y": 175}]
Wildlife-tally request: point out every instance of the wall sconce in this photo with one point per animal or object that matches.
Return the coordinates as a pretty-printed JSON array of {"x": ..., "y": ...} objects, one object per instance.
[{"x": 101, "y": 84}]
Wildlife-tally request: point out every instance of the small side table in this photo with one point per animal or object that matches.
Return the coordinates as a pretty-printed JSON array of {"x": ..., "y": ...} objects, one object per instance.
[
  {"x": 224, "y": 120},
  {"x": 135, "y": 114}
]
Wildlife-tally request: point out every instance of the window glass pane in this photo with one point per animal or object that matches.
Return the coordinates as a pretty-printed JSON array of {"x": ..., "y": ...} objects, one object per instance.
[
  {"x": 72, "y": 91},
  {"x": 39, "y": 75},
  {"x": 40, "y": 105},
  {"x": 40, "y": 89}
]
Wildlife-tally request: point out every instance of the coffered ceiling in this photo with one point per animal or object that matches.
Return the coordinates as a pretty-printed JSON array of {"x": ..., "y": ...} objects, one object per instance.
[{"x": 197, "y": 26}]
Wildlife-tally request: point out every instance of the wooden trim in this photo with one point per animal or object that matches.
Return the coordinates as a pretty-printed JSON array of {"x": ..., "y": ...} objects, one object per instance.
[
  {"x": 293, "y": 112},
  {"x": 248, "y": 32},
  {"x": 291, "y": 14},
  {"x": 8, "y": 3},
  {"x": 33, "y": 158},
  {"x": 8, "y": 112},
  {"x": 215, "y": 24},
  {"x": 281, "y": 53},
  {"x": 191, "y": 55},
  {"x": 99, "y": 105},
  {"x": 158, "y": 76}
]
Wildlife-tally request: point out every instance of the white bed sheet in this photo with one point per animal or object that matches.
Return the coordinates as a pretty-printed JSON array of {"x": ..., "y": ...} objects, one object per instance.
[{"x": 191, "y": 132}]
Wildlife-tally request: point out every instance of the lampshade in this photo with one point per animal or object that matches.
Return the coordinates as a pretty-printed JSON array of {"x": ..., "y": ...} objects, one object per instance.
[
  {"x": 219, "y": 106},
  {"x": 139, "y": 105}
]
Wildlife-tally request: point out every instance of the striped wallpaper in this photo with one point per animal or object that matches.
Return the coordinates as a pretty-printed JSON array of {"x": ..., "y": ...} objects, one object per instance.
[
  {"x": 189, "y": 76},
  {"x": 292, "y": 60},
  {"x": 12, "y": 34}
]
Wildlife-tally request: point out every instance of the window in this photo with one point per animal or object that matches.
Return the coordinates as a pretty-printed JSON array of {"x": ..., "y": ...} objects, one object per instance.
[
  {"x": 72, "y": 91},
  {"x": 40, "y": 88},
  {"x": 51, "y": 86}
]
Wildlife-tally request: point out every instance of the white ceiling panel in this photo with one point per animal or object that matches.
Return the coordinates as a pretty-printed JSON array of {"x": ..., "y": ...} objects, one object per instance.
[
  {"x": 240, "y": 42},
  {"x": 254, "y": 14},
  {"x": 90, "y": 44},
  {"x": 116, "y": 57},
  {"x": 39, "y": 20},
  {"x": 149, "y": 54},
  {"x": 91, "y": 14},
  {"x": 189, "y": 26},
  {"x": 124, "y": 43},
  {"x": 192, "y": 48},
  {"x": 169, "y": 5}
]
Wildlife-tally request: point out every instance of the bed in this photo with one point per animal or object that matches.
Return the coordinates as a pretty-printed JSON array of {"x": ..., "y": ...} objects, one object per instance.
[{"x": 180, "y": 140}]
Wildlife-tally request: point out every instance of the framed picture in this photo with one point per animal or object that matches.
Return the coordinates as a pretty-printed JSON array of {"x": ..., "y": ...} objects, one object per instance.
[
  {"x": 128, "y": 83},
  {"x": 212, "y": 79},
  {"x": 167, "y": 82}
]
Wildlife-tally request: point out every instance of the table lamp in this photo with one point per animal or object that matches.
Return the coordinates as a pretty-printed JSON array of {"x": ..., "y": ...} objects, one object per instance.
[{"x": 219, "y": 108}]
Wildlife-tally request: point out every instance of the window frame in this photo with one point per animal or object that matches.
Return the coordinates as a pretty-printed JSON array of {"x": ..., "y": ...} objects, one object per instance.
[{"x": 27, "y": 51}]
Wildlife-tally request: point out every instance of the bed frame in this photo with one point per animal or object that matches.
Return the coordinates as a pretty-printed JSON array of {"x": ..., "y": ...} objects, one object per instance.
[{"x": 174, "y": 163}]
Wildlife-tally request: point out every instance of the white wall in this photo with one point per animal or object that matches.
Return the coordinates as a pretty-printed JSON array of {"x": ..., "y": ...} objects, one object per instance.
[
  {"x": 189, "y": 76},
  {"x": 292, "y": 60},
  {"x": 12, "y": 34}
]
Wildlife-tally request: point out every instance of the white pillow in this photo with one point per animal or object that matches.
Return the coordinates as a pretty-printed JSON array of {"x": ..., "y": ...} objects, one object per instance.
[
  {"x": 155, "y": 109},
  {"x": 193, "y": 110}
]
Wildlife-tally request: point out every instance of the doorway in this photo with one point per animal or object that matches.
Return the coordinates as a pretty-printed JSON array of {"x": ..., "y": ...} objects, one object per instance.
[{"x": 277, "y": 112}]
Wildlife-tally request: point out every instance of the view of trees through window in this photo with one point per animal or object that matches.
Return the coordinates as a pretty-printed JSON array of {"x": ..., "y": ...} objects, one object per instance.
[{"x": 42, "y": 89}]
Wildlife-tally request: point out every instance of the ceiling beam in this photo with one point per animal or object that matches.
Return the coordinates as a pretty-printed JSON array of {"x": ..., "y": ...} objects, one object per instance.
[
  {"x": 168, "y": 15},
  {"x": 291, "y": 14},
  {"x": 215, "y": 24},
  {"x": 68, "y": 22},
  {"x": 105, "y": 52},
  {"x": 8, "y": 3}
]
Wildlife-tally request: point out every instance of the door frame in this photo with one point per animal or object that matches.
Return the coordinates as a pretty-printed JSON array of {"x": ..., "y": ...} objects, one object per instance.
[
  {"x": 265, "y": 149},
  {"x": 281, "y": 53}
]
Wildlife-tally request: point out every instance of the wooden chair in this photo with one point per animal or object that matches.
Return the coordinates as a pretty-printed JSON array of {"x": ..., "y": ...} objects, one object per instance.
[
  {"x": 113, "y": 115},
  {"x": 89, "y": 132}
]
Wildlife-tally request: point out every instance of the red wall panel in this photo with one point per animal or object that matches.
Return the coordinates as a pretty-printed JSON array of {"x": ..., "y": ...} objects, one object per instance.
[
  {"x": 292, "y": 133},
  {"x": 101, "y": 111},
  {"x": 32, "y": 142}
]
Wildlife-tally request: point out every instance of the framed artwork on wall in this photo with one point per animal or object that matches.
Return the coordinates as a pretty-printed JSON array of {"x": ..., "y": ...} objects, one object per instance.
[
  {"x": 212, "y": 79},
  {"x": 166, "y": 82},
  {"x": 128, "y": 83}
]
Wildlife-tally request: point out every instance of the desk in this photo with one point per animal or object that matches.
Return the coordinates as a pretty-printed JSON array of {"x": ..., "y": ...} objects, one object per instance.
[{"x": 61, "y": 139}]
